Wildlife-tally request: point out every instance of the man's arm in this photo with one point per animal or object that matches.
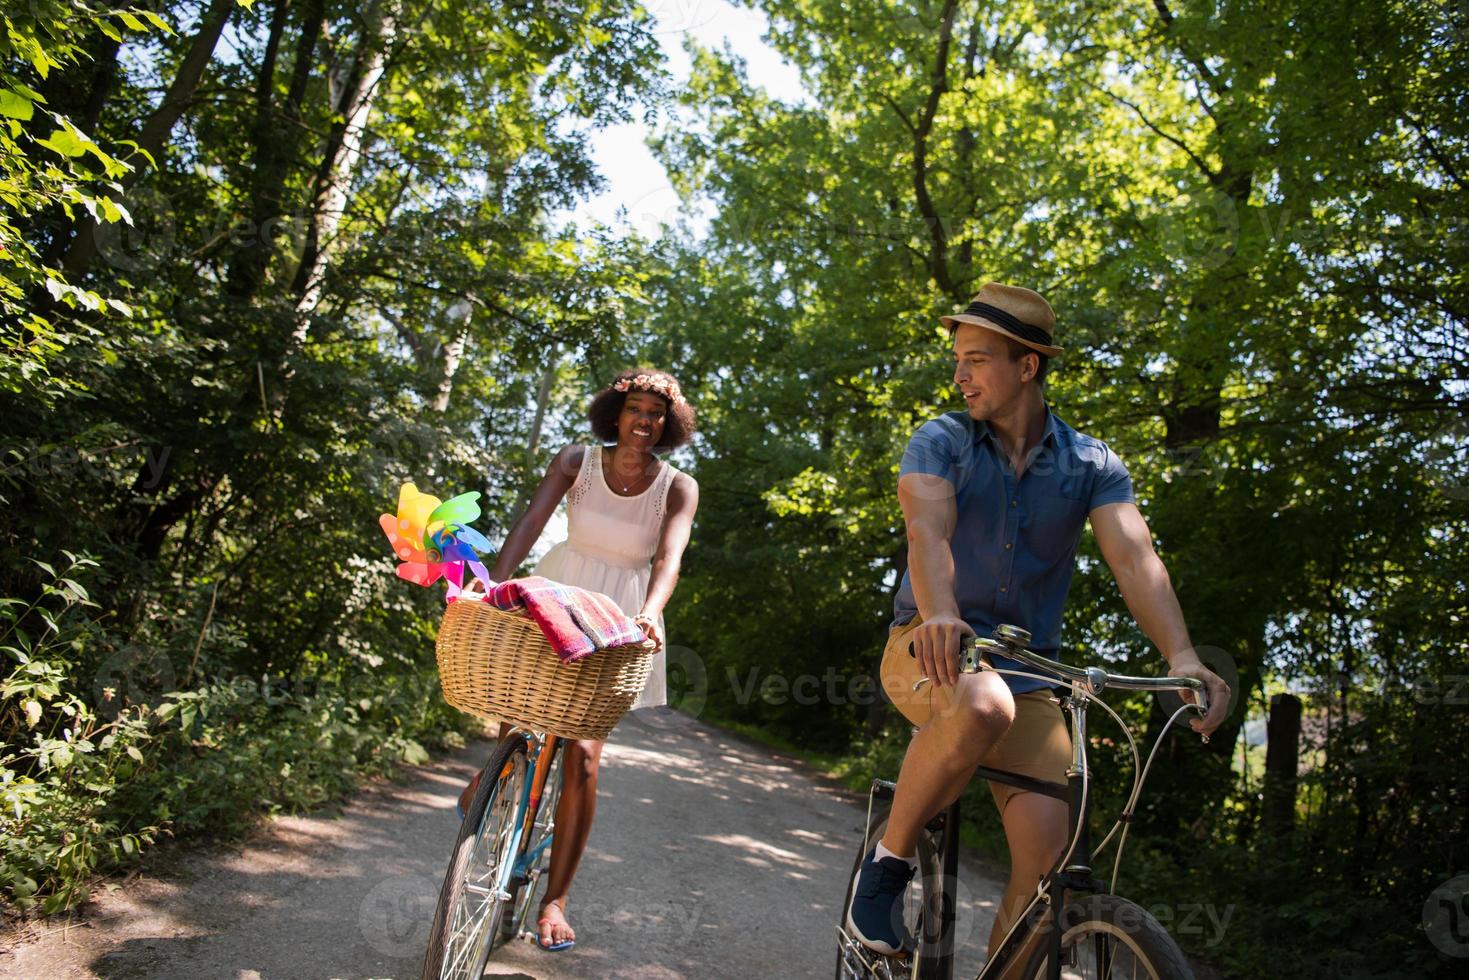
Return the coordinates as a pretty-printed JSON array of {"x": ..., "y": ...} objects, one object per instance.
[
  {"x": 1127, "y": 547},
  {"x": 930, "y": 515}
]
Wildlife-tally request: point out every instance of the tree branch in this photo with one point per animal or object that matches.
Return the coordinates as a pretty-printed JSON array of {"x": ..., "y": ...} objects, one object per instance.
[
  {"x": 1166, "y": 16},
  {"x": 908, "y": 123},
  {"x": 938, "y": 240},
  {"x": 1215, "y": 179}
]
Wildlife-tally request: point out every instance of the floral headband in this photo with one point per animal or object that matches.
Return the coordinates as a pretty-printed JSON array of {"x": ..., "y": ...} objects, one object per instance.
[{"x": 658, "y": 384}]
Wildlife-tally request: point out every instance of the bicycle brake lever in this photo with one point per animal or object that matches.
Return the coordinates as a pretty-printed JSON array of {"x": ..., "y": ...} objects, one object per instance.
[{"x": 970, "y": 660}]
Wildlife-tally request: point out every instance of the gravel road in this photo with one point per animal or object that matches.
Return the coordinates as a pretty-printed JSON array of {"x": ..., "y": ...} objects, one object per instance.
[{"x": 711, "y": 857}]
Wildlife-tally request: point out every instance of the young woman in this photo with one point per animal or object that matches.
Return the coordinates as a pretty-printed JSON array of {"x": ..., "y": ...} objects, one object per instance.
[{"x": 629, "y": 518}]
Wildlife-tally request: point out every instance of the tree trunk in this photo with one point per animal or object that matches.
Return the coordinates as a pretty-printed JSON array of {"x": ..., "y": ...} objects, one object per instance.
[
  {"x": 533, "y": 444},
  {"x": 1282, "y": 760},
  {"x": 938, "y": 252},
  {"x": 277, "y": 132},
  {"x": 156, "y": 128},
  {"x": 79, "y": 96},
  {"x": 334, "y": 178},
  {"x": 459, "y": 315}
]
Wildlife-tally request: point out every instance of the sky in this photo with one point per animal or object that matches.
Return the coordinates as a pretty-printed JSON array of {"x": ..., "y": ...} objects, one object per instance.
[{"x": 636, "y": 182}]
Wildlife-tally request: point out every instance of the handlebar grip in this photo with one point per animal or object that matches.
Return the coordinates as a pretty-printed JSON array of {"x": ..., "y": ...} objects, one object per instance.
[{"x": 1201, "y": 699}]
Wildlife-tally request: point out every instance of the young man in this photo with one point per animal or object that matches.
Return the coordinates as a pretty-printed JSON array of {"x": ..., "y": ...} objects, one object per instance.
[{"x": 995, "y": 499}]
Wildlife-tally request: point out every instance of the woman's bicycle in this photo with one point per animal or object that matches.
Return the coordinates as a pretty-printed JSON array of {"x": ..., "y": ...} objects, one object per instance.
[
  {"x": 1075, "y": 926},
  {"x": 497, "y": 664},
  {"x": 503, "y": 847}
]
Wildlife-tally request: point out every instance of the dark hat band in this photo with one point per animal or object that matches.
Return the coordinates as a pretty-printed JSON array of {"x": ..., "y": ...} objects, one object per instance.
[{"x": 1018, "y": 327}]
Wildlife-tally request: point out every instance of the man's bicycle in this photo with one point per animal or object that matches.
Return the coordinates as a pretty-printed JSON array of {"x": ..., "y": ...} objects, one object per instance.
[
  {"x": 503, "y": 847},
  {"x": 1075, "y": 926}
]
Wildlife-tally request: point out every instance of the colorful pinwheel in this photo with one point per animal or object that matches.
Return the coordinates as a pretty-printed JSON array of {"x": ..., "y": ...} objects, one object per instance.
[{"x": 433, "y": 537}]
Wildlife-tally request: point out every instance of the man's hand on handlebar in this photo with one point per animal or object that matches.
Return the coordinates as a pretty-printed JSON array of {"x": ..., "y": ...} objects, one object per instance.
[
  {"x": 936, "y": 647},
  {"x": 1187, "y": 664}
]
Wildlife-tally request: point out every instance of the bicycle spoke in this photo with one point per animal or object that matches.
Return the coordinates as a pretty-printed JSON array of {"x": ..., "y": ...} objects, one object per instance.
[{"x": 469, "y": 918}]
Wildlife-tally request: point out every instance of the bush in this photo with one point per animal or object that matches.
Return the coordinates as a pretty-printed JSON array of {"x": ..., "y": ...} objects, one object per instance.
[{"x": 90, "y": 776}]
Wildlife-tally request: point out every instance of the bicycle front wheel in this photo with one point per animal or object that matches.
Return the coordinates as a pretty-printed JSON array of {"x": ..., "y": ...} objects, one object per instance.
[
  {"x": 1105, "y": 937},
  {"x": 471, "y": 905}
]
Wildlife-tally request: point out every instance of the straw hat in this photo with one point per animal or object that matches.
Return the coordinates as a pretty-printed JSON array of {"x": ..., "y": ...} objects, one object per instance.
[{"x": 1021, "y": 314}]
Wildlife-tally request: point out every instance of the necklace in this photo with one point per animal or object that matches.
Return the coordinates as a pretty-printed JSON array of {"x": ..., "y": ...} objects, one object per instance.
[{"x": 626, "y": 487}]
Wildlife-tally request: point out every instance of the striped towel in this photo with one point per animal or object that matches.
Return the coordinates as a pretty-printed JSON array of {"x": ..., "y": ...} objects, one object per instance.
[{"x": 576, "y": 622}]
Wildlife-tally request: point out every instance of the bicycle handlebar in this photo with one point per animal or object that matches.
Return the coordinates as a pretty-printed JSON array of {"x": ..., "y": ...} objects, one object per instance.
[{"x": 1009, "y": 641}]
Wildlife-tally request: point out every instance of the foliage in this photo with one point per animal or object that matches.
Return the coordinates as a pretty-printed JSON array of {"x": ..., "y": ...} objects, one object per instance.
[
  {"x": 244, "y": 296},
  {"x": 1249, "y": 218},
  {"x": 99, "y": 764},
  {"x": 262, "y": 263}
]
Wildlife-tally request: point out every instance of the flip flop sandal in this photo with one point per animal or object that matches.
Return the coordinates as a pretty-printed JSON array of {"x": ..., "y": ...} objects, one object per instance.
[{"x": 556, "y": 946}]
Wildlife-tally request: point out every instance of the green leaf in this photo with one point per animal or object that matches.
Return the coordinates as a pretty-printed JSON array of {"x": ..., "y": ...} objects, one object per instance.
[
  {"x": 133, "y": 752},
  {"x": 74, "y": 587},
  {"x": 15, "y": 106},
  {"x": 131, "y": 21},
  {"x": 65, "y": 142},
  {"x": 28, "y": 92}
]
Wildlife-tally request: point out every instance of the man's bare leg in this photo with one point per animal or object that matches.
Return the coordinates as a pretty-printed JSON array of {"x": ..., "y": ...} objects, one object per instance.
[
  {"x": 967, "y": 720},
  {"x": 1035, "y": 827}
]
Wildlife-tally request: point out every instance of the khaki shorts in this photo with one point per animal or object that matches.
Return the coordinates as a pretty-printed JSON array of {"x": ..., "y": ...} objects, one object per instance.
[{"x": 1036, "y": 745}]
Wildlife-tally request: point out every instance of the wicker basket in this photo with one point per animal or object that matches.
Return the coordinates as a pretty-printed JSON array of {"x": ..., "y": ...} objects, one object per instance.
[{"x": 497, "y": 664}]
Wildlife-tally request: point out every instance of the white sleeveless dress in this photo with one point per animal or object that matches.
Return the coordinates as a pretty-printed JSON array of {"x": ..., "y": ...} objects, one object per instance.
[{"x": 609, "y": 548}]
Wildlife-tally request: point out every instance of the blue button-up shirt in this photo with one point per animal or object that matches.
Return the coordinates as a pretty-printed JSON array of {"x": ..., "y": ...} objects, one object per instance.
[{"x": 1014, "y": 543}]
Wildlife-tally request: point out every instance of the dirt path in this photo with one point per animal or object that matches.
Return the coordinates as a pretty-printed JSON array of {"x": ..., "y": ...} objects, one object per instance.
[{"x": 711, "y": 857}]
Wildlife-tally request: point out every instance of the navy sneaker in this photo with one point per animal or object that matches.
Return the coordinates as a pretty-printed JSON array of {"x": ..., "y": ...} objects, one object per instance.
[{"x": 875, "y": 916}]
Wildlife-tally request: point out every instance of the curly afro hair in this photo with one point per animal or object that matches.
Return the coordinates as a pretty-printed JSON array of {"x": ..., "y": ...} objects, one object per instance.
[{"x": 606, "y": 406}]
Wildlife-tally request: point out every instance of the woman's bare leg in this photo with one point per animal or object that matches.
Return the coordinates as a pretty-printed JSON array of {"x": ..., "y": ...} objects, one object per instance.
[{"x": 574, "y": 815}]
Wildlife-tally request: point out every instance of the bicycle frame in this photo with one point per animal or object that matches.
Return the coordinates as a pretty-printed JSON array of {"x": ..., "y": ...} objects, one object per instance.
[
  {"x": 1073, "y": 871},
  {"x": 543, "y": 754},
  {"x": 540, "y": 754}
]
